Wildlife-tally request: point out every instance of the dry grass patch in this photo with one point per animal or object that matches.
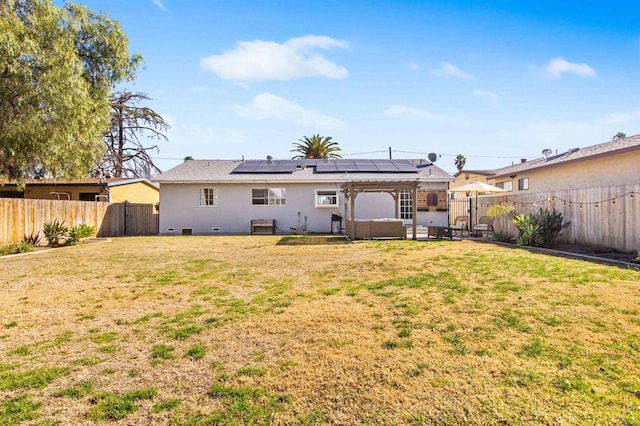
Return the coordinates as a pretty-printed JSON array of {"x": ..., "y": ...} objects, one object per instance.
[{"x": 261, "y": 329}]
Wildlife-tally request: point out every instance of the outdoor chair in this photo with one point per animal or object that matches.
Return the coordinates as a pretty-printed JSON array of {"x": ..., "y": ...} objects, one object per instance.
[
  {"x": 460, "y": 225},
  {"x": 484, "y": 226}
]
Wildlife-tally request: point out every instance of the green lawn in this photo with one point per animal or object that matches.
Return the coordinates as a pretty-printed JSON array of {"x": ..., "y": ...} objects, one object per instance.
[{"x": 271, "y": 330}]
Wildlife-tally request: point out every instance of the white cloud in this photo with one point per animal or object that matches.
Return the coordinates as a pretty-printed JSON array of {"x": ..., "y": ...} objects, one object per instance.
[
  {"x": 413, "y": 66},
  {"x": 449, "y": 70},
  {"x": 559, "y": 66},
  {"x": 410, "y": 112},
  {"x": 267, "y": 106},
  {"x": 486, "y": 95},
  {"x": 159, "y": 4},
  {"x": 259, "y": 60}
]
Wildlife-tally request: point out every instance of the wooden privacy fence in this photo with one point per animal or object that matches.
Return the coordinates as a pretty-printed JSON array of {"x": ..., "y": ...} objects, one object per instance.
[
  {"x": 23, "y": 217},
  {"x": 600, "y": 217}
]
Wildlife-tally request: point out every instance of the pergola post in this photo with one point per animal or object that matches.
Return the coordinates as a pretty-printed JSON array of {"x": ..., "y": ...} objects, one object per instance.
[{"x": 414, "y": 211}]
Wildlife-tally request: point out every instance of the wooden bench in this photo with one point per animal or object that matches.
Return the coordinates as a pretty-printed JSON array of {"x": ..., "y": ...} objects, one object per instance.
[{"x": 263, "y": 226}]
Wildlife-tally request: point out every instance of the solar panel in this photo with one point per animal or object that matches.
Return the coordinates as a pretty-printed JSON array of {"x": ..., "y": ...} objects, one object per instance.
[
  {"x": 265, "y": 167},
  {"x": 385, "y": 166},
  {"x": 245, "y": 167},
  {"x": 365, "y": 166},
  {"x": 404, "y": 166},
  {"x": 329, "y": 167}
]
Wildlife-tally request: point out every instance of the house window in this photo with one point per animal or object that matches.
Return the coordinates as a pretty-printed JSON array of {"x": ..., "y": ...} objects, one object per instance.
[
  {"x": 268, "y": 196},
  {"x": 326, "y": 198},
  {"x": 209, "y": 197},
  {"x": 406, "y": 211},
  {"x": 88, "y": 196},
  {"x": 523, "y": 184},
  {"x": 11, "y": 194},
  {"x": 507, "y": 185},
  {"x": 432, "y": 199}
]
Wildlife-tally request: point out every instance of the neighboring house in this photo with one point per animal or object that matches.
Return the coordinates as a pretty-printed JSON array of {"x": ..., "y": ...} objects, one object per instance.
[
  {"x": 607, "y": 164},
  {"x": 115, "y": 190},
  {"x": 225, "y": 196},
  {"x": 464, "y": 177}
]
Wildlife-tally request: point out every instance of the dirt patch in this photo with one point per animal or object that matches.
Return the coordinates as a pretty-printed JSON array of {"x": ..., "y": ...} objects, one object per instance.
[{"x": 605, "y": 253}]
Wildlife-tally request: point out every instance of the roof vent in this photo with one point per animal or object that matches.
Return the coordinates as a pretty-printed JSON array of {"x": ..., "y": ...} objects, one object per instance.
[
  {"x": 269, "y": 159},
  {"x": 546, "y": 152},
  {"x": 523, "y": 160}
]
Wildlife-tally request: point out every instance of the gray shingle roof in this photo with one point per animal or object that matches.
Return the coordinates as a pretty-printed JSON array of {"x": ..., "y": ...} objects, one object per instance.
[
  {"x": 220, "y": 171},
  {"x": 607, "y": 148}
]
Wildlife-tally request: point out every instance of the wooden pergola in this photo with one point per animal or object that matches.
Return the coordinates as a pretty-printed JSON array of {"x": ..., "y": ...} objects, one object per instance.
[{"x": 393, "y": 188}]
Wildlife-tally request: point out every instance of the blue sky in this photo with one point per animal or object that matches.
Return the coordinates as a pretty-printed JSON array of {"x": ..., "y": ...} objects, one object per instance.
[{"x": 495, "y": 81}]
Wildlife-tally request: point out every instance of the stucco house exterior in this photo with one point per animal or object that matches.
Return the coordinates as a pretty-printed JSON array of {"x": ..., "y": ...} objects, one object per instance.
[
  {"x": 611, "y": 163},
  {"x": 114, "y": 190},
  {"x": 227, "y": 196}
]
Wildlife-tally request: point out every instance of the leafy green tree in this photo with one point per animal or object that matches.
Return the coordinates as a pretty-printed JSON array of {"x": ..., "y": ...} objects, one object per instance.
[
  {"x": 126, "y": 155},
  {"x": 619, "y": 136},
  {"x": 316, "y": 147},
  {"x": 57, "y": 67},
  {"x": 460, "y": 162}
]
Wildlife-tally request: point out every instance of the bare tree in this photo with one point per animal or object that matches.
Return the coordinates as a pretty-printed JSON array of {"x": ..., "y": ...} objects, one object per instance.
[{"x": 126, "y": 154}]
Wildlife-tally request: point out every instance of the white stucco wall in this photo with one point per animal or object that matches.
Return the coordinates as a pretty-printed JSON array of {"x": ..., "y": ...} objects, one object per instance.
[{"x": 180, "y": 209}]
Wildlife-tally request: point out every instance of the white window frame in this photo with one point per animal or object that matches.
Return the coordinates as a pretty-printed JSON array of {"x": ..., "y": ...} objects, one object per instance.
[
  {"x": 523, "y": 184},
  {"x": 327, "y": 198},
  {"x": 406, "y": 205},
  {"x": 273, "y": 197},
  {"x": 507, "y": 185},
  {"x": 208, "y": 197}
]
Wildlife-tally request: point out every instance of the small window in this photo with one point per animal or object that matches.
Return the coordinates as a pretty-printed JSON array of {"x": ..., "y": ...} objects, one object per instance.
[
  {"x": 507, "y": 185},
  {"x": 523, "y": 184},
  {"x": 268, "y": 196},
  {"x": 432, "y": 199},
  {"x": 11, "y": 194},
  {"x": 326, "y": 198},
  {"x": 88, "y": 196},
  {"x": 208, "y": 197}
]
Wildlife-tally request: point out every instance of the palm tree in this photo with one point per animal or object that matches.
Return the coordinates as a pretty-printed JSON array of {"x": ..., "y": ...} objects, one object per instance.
[
  {"x": 316, "y": 147},
  {"x": 460, "y": 161}
]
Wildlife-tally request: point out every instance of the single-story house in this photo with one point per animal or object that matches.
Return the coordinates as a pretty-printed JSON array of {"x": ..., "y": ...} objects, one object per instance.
[
  {"x": 115, "y": 190},
  {"x": 287, "y": 196},
  {"x": 610, "y": 163}
]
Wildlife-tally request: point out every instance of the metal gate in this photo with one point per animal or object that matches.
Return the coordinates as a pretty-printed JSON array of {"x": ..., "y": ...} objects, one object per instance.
[{"x": 460, "y": 207}]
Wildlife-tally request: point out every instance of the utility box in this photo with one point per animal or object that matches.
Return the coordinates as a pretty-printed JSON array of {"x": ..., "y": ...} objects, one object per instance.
[{"x": 263, "y": 226}]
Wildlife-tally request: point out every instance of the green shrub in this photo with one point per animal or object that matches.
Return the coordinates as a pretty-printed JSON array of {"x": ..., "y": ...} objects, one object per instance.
[
  {"x": 21, "y": 247},
  {"x": 530, "y": 232},
  {"x": 54, "y": 232},
  {"x": 78, "y": 232},
  {"x": 540, "y": 229}
]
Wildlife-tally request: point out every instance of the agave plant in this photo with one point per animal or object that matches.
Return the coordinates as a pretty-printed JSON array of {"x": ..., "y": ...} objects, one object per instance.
[
  {"x": 540, "y": 229},
  {"x": 54, "y": 232},
  {"x": 78, "y": 232}
]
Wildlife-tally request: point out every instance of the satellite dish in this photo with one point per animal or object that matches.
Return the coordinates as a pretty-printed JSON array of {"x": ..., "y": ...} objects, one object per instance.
[
  {"x": 546, "y": 152},
  {"x": 432, "y": 157}
]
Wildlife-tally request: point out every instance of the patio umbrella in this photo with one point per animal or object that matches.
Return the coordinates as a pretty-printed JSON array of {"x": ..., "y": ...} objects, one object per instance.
[{"x": 477, "y": 187}]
